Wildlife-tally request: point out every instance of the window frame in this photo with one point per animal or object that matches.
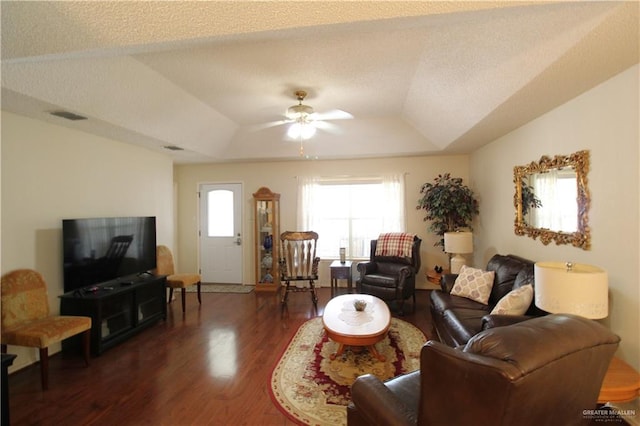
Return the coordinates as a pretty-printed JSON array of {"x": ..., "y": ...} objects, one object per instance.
[{"x": 357, "y": 247}]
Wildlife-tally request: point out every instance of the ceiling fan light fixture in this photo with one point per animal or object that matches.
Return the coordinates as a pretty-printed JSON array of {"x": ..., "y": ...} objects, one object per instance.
[
  {"x": 299, "y": 111},
  {"x": 301, "y": 130}
]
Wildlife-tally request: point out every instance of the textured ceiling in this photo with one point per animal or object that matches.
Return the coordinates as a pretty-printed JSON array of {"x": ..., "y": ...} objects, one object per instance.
[{"x": 418, "y": 77}]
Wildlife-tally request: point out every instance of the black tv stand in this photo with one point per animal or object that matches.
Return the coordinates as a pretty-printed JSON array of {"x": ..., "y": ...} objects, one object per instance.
[{"x": 117, "y": 310}]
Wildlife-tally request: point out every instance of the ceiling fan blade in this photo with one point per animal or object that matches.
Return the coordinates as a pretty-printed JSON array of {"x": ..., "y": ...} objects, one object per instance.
[
  {"x": 334, "y": 114},
  {"x": 262, "y": 126},
  {"x": 327, "y": 127}
]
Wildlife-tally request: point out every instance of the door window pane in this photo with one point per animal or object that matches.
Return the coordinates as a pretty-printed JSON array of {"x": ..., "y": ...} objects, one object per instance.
[{"x": 220, "y": 213}]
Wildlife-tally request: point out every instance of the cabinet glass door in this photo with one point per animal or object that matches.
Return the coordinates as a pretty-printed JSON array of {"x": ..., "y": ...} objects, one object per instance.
[
  {"x": 150, "y": 303},
  {"x": 116, "y": 315},
  {"x": 266, "y": 239}
]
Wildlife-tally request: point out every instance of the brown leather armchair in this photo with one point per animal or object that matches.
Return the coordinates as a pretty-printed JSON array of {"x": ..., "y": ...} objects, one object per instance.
[
  {"x": 544, "y": 371},
  {"x": 390, "y": 278}
]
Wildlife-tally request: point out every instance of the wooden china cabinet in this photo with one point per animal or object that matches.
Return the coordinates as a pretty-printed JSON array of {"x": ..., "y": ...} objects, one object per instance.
[{"x": 266, "y": 238}]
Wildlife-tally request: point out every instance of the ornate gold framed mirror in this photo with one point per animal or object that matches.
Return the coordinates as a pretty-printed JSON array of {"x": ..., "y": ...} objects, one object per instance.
[{"x": 552, "y": 200}]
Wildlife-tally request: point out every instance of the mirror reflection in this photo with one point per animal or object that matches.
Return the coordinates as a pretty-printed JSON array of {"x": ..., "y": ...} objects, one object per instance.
[{"x": 552, "y": 199}]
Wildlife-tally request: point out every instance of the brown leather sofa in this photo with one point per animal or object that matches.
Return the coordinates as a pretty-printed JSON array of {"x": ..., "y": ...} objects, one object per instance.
[
  {"x": 390, "y": 278},
  {"x": 456, "y": 319},
  {"x": 545, "y": 371}
]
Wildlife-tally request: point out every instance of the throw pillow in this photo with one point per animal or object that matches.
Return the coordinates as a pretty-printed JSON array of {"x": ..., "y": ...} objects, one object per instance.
[
  {"x": 516, "y": 302},
  {"x": 474, "y": 284}
]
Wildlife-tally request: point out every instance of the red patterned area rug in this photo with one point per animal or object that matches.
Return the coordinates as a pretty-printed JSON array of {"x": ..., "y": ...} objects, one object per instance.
[{"x": 311, "y": 389}]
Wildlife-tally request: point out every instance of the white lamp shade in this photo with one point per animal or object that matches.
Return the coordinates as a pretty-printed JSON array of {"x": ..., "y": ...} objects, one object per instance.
[
  {"x": 458, "y": 242},
  {"x": 581, "y": 289}
]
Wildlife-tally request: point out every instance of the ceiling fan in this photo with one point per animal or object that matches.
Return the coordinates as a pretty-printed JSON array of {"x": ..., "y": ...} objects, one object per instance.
[{"x": 304, "y": 120}]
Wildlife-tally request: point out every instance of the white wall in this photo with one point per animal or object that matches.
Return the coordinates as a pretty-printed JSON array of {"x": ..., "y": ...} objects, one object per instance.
[
  {"x": 280, "y": 177},
  {"x": 51, "y": 172},
  {"x": 605, "y": 121}
]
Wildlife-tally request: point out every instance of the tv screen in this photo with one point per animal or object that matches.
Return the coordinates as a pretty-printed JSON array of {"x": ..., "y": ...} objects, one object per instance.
[{"x": 97, "y": 250}]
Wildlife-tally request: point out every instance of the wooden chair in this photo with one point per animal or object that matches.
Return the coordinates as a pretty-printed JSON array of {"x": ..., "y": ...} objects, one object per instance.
[
  {"x": 110, "y": 263},
  {"x": 298, "y": 262},
  {"x": 181, "y": 281},
  {"x": 26, "y": 320},
  {"x": 119, "y": 246}
]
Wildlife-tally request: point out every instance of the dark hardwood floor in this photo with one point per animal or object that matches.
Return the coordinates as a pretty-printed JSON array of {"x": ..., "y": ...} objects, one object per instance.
[{"x": 211, "y": 367}]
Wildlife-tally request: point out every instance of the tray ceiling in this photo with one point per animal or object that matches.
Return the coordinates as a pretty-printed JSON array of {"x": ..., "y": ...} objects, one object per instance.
[{"x": 418, "y": 77}]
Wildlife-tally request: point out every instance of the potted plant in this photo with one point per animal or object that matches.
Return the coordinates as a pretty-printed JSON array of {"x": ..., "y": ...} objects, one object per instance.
[
  {"x": 450, "y": 205},
  {"x": 529, "y": 199}
]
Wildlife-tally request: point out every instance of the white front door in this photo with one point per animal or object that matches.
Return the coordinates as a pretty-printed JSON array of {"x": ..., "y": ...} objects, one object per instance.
[{"x": 221, "y": 233}]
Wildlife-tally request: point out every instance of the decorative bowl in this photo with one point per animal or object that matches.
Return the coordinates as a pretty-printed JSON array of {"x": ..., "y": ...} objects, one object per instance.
[{"x": 359, "y": 305}]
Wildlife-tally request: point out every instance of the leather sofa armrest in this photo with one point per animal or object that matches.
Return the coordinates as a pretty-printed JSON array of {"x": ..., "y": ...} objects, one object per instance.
[
  {"x": 492, "y": 321},
  {"x": 366, "y": 268},
  {"x": 405, "y": 272},
  {"x": 447, "y": 281},
  {"x": 376, "y": 404}
]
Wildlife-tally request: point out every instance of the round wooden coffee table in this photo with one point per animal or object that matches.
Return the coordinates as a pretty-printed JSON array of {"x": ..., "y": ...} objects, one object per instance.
[{"x": 348, "y": 327}]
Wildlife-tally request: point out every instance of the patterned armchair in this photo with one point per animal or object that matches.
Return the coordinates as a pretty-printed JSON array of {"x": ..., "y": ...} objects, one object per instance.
[
  {"x": 298, "y": 262},
  {"x": 391, "y": 272},
  {"x": 26, "y": 320}
]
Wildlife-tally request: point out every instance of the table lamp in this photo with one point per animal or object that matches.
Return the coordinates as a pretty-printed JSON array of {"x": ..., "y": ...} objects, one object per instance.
[
  {"x": 571, "y": 288},
  {"x": 458, "y": 243}
]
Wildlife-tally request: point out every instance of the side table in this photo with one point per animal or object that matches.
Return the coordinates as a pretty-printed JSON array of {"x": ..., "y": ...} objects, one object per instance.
[
  {"x": 434, "y": 277},
  {"x": 340, "y": 271},
  {"x": 620, "y": 384}
]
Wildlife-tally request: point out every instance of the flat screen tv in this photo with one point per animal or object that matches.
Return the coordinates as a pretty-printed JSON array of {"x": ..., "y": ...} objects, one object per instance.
[{"x": 97, "y": 250}]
